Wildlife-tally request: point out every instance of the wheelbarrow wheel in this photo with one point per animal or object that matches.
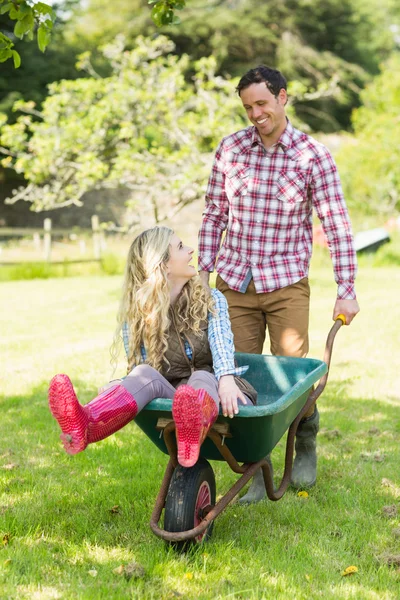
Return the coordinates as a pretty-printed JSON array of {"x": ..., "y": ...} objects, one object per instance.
[{"x": 190, "y": 493}]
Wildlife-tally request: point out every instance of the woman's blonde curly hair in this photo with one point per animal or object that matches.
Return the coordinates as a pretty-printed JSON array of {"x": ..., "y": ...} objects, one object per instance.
[{"x": 145, "y": 302}]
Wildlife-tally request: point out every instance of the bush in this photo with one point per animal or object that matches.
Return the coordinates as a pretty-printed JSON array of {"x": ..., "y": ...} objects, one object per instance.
[
  {"x": 42, "y": 270},
  {"x": 111, "y": 264}
]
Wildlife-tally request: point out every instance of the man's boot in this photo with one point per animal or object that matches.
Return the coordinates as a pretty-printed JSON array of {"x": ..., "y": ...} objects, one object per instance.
[
  {"x": 256, "y": 491},
  {"x": 82, "y": 425},
  {"x": 304, "y": 472}
]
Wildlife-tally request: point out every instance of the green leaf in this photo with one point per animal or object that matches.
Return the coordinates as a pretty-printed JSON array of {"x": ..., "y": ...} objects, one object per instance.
[
  {"x": 6, "y": 7},
  {"x": 156, "y": 15},
  {"x": 16, "y": 58},
  {"x": 5, "y": 42},
  {"x": 22, "y": 27},
  {"x": 5, "y": 54},
  {"x": 13, "y": 13},
  {"x": 24, "y": 10},
  {"x": 43, "y": 9},
  {"x": 43, "y": 37},
  {"x": 167, "y": 16}
]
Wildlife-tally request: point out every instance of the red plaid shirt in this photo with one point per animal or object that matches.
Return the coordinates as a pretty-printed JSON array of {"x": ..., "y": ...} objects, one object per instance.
[{"x": 264, "y": 201}]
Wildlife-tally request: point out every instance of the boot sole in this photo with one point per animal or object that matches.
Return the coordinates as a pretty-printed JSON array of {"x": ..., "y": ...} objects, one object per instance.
[
  {"x": 65, "y": 408},
  {"x": 188, "y": 417}
]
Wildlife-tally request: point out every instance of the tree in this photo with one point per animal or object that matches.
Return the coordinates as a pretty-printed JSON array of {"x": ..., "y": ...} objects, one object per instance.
[
  {"x": 144, "y": 128},
  {"x": 369, "y": 162},
  {"x": 334, "y": 44},
  {"x": 29, "y": 17}
]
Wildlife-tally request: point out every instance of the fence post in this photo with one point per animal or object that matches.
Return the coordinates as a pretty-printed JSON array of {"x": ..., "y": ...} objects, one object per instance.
[
  {"x": 96, "y": 237},
  {"x": 36, "y": 241},
  {"x": 47, "y": 240}
]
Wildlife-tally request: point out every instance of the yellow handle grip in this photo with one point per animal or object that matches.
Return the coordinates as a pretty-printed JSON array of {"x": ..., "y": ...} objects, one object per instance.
[{"x": 342, "y": 318}]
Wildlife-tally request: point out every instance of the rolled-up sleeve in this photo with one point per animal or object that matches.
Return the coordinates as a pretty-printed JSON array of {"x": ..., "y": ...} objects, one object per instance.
[{"x": 220, "y": 337}]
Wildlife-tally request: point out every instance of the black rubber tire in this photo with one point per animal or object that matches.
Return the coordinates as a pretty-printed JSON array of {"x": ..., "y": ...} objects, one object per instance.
[{"x": 179, "y": 512}]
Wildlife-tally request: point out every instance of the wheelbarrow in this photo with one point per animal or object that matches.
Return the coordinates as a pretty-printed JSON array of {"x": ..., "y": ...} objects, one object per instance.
[{"x": 285, "y": 389}]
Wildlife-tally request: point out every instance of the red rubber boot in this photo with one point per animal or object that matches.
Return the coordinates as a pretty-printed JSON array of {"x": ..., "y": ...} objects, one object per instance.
[
  {"x": 82, "y": 425},
  {"x": 194, "y": 411}
]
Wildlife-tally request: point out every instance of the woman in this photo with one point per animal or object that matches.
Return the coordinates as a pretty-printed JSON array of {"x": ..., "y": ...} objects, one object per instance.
[{"x": 179, "y": 345}]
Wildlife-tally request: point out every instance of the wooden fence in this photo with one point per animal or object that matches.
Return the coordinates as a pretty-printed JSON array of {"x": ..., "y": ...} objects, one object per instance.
[{"x": 43, "y": 240}]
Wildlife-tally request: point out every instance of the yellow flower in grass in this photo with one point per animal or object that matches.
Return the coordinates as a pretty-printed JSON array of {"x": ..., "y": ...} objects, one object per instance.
[
  {"x": 302, "y": 494},
  {"x": 349, "y": 571}
]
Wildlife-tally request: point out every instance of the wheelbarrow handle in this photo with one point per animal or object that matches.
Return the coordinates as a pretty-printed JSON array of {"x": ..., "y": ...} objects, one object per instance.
[
  {"x": 342, "y": 318},
  {"x": 339, "y": 321}
]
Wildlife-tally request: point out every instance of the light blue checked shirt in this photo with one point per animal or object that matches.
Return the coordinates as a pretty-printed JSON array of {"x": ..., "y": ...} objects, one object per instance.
[{"x": 220, "y": 338}]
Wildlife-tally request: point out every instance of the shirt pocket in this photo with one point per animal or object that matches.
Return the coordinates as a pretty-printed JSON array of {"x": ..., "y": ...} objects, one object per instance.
[
  {"x": 237, "y": 181},
  {"x": 291, "y": 188}
]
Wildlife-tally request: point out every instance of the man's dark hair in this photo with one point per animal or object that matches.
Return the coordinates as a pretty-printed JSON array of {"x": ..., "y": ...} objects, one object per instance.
[{"x": 274, "y": 80}]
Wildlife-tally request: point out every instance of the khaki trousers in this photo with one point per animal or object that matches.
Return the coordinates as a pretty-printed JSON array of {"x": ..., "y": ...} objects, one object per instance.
[{"x": 285, "y": 312}]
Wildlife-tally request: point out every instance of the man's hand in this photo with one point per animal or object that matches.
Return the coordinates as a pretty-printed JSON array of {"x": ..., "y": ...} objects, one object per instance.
[
  {"x": 348, "y": 308},
  {"x": 205, "y": 278},
  {"x": 229, "y": 394}
]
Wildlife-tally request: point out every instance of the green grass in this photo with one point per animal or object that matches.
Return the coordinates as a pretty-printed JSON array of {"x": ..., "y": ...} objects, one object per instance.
[
  {"x": 111, "y": 264},
  {"x": 60, "y": 535}
]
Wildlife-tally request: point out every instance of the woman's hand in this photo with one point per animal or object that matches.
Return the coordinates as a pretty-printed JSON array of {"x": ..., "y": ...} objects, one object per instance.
[{"x": 229, "y": 394}]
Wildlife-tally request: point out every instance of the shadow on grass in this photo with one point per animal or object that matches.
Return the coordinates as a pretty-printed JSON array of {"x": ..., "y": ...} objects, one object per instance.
[{"x": 91, "y": 511}]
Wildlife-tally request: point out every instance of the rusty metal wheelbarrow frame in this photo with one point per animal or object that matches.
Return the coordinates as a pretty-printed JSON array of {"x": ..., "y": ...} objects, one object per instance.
[{"x": 219, "y": 441}]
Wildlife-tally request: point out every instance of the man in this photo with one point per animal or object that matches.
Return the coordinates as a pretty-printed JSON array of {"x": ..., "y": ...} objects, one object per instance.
[{"x": 265, "y": 181}]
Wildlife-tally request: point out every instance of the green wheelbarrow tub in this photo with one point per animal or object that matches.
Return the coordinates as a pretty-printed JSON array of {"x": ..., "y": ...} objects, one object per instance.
[{"x": 283, "y": 385}]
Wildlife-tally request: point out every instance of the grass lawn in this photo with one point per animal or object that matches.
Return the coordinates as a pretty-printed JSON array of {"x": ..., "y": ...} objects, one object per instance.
[{"x": 69, "y": 526}]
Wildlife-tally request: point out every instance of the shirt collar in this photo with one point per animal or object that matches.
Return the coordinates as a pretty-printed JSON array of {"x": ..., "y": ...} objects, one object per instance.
[{"x": 285, "y": 140}]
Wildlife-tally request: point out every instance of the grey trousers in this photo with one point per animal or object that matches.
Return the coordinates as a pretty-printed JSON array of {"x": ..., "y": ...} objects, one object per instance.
[{"x": 145, "y": 383}]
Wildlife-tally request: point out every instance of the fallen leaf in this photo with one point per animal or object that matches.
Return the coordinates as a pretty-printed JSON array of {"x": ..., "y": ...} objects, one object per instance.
[
  {"x": 390, "y": 511},
  {"x": 7, "y": 562},
  {"x": 8, "y": 452},
  {"x": 393, "y": 560},
  {"x": 376, "y": 456},
  {"x": 336, "y": 533},
  {"x": 349, "y": 571},
  {"x": 134, "y": 570},
  {"x": 373, "y": 431},
  {"x": 332, "y": 434},
  {"x": 93, "y": 573},
  {"x": 10, "y": 466},
  {"x": 6, "y": 539},
  {"x": 302, "y": 494},
  {"x": 396, "y": 532},
  {"x": 386, "y": 482},
  {"x": 119, "y": 570},
  {"x": 115, "y": 510}
]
